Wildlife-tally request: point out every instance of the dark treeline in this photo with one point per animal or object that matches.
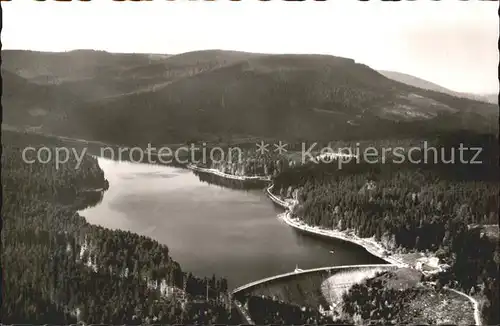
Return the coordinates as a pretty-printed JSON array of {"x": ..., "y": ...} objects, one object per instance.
[
  {"x": 412, "y": 207},
  {"x": 230, "y": 183},
  {"x": 247, "y": 159},
  {"x": 58, "y": 269},
  {"x": 243, "y": 162},
  {"x": 266, "y": 310},
  {"x": 372, "y": 300},
  {"x": 134, "y": 154}
]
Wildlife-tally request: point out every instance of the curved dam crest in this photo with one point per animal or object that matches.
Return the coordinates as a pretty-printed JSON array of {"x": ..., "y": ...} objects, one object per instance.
[
  {"x": 313, "y": 287},
  {"x": 321, "y": 271}
]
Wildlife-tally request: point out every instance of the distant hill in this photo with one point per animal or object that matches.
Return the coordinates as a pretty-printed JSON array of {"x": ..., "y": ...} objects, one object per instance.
[
  {"x": 489, "y": 98},
  {"x": 422, "y": 83},
  {"x": 205, "y": 95},
  {"x": 28, "y": 104}
]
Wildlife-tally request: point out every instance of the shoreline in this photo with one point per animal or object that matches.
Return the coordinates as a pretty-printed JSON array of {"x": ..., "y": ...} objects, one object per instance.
[
  {"x": 370, "y": 245},
  {"x": 226, "y": 175}
]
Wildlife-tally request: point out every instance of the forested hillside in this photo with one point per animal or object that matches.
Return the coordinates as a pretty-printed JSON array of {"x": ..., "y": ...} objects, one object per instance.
[
  {"x": 266, "y": 310},
  {"x": 412, "y": 207},
  {"x": 58, "y": 269},
  {"x": 207, "y": 95},
  {"x": 399, "y": 297}
]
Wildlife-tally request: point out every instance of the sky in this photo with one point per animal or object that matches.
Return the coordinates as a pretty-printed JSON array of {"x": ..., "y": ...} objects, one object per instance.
[{"x": 452, "y": 43}]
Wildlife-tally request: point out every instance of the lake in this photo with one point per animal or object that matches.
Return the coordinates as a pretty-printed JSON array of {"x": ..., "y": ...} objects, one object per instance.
[{"x": 210, "y": 229}]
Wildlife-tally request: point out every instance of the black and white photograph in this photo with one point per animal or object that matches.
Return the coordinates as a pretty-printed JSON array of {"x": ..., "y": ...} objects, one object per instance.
[{"x": 250, "y": 162}]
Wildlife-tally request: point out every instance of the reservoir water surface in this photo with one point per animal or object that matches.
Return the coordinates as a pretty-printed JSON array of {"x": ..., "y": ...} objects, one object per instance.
[{"x": 210, "y": 229}]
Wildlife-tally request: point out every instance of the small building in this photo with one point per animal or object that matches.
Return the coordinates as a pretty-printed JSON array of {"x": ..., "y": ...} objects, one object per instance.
[
  {"x": 444, "y": 267},
  {"x": 427, "y": 264}
]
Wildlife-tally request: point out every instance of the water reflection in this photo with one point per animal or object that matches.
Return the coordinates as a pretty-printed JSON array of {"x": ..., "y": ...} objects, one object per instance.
[
  {"x": 208, "y": 228},
  {"x": 230, "y": 183},
  {"x": 90, "y": 198}
]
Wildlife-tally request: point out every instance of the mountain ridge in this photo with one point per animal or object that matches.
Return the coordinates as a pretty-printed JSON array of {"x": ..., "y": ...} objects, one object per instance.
[
  {"x": 133, "y": 98},
  {"x": 425, "y": 84}
]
